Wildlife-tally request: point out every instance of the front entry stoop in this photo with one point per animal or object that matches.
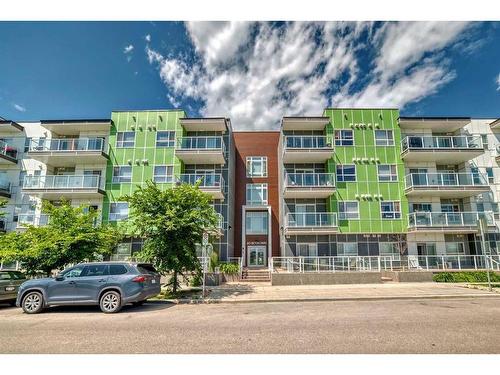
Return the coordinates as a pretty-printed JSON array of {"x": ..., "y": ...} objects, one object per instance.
[{"x": 256, "y": 275}]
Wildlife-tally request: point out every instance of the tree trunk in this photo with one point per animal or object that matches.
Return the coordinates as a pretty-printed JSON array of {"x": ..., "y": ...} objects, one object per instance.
[{"x": 174, "y": 286}]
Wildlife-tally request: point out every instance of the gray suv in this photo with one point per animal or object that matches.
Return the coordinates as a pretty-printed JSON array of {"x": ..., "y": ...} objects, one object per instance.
[{"x": 110, "y": 285}]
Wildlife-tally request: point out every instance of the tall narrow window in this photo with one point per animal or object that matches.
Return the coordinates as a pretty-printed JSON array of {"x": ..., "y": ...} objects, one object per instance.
[
  {"x": 118, "y": 211},
  {"x": 256, "y": 166},
  {"x": 491, "y": 177},
  {"x": 348, "y": 210},
  {"x": 256, "y": 194},
  {"x": 122, "y": 174},
  {"x": 125, "y": 139},
  {"x": 390, "y": 210}
]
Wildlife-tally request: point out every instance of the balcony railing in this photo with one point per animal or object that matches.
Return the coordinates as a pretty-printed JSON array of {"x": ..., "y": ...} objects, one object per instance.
[
  {"x": 312, "y": 219},
  {"x": 200, "y": 143},
  {"x": 66, "y": 144},
  {"x": 5, "y": 186},
  {"x": 441, "y": 143},
  {"x": 32, "y": 219},
  {"x": 310, "y": 179},
  {"x": 448, "y": 219},
  {"x": 62, "y": 182},
  {"x": 307, "y": 142},
  {"x": 445, "y": 180},
  {"x": 209, "y": 180},
  {"x": 7, "y": 150}
]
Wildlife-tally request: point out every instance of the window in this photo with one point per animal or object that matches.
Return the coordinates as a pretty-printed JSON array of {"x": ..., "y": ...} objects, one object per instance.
[
  {"x": 420, "y": 207},
  {"x": 384, "y": 138},
  {"x": 122, "y": 174},
  {"x": 346, "y": 173},
  {"x": 348, "y": 210},
  {"x": 484, "y": 138},
  {"x": 163, "y": 173},
  {"x": 256, "y": 222},
  {"x": 387, "y": 173},
  {"x": 165, "y": 139},
  {"x": 454, "y": 248},
  {"x": 95, "y": 270},
  {"x": 118, "y": 211},
  {"x": 256, "y": 194},
  {"x": 307, "y": 250},
  {"x": 491, "y": 177},
  {"x": 22, "y": 174},
  {"x": 388, "y": 248},
  {"x": 125, "y": 139},
  {"x": 256, "y": 166},
  {"x": 73, "y": 272},
  {"x": 347, "y": 248},
  {"x": 344, "y": 138},
  {"x": 390, "y": 210},
  {"x": 117, "y": 269}
]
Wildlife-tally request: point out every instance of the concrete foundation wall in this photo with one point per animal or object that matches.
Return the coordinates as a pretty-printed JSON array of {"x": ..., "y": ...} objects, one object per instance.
[
  {"x": 326, "y": 278},
  {"x": 408, "y": 276}
]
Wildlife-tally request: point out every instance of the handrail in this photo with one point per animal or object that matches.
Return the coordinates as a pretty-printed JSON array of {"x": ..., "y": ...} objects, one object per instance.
[
  {"x": 201, "y": 143},
  {"x": 311, "y": 219},
  {"x": 445, "y": 179},
  {"x": 66, "y": 144},
  {"x": 310, "y": 179},
  {"x": 207, "y": 179},
  {"x": 430, "y": 219},
  {"x": 307, "y": 141},
  {"x": 61, "y": 182},
  {"x": 441, "y": 142}
]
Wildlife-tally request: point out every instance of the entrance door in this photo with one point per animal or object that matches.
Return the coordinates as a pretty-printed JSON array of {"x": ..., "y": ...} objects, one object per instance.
[{"x": 256, "y": 256}]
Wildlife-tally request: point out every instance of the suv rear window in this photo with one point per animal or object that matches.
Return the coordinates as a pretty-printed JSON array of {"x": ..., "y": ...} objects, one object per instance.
[
  {"x": 146, "y": 268},
  {"x": 117, "y": 269}
]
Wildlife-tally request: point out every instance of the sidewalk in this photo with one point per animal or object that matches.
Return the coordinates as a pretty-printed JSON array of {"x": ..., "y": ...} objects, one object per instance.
[{"x": 246, "y": 292}]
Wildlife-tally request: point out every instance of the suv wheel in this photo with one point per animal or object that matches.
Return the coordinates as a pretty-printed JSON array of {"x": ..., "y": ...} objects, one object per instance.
[
  {"x": 32, "y": 303},
  {"x": 110, "y": 302}
]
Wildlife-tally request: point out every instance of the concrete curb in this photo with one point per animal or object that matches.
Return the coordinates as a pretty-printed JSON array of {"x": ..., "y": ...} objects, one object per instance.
[{"x": 328, "y": 299}]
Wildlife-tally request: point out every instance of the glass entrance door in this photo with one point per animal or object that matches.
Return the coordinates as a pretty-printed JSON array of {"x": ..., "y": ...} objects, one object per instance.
[{"x": 256, "y": 256}]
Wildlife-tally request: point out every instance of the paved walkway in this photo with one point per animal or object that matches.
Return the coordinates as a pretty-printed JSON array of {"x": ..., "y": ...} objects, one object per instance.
[{"x": 246, "y": 292}]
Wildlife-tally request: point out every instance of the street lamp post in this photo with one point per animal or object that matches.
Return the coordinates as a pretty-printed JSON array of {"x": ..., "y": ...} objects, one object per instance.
[{"x": 482, "y": 230}]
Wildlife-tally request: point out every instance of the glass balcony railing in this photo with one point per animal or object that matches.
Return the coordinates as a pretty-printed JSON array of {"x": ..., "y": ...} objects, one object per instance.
[
  {"x": 448, "y": 219},
  {"x": 209, "y": 180},
  {"x": 441, "y": 143},
  {"x": 445, "y": 180},
  {"x": 5, "y": 186},
  {"x": 312, "y": 219},
  {"x": 62, "y": 182},
  {"x": 310, "y": 179},
  {"x": 307, "y": 142},
  {"x": 200, "y": 143},
  {"x": 32, "y": 219},
  {"x": 7, "y": 150},
  {"x": 66, "y": 144}
]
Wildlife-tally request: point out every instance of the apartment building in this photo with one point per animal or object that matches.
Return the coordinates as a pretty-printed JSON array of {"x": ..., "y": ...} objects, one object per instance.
[{"x": 351, "y": 182}]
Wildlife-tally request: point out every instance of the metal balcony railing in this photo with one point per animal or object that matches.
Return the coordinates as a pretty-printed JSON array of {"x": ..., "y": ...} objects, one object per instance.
[
  {"x": 200, "y": 143},
  {"x": 448, "y": 219},
  {"x": 66, "y": 144},
  {"x": 8, "y": 150},
  {"x": 307, "y": 142},
  {"x": 311, "y": 219},
  {"x": 441, "y": 143},
  {"x": 445, "y": 180},
  {"x": 62, "y": 182},
  {"x": 209, "y": 180},
  {"x": 32, "y": 219},
  {"x": 310, "y": 179}
]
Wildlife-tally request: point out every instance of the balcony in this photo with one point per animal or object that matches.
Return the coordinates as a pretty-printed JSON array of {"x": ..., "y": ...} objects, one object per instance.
[
  {"x": 311, "y": 223},
  {"x": 307, "y": 149},
  {"x": 448, "y": 222},
  {"x": 210, "y": 183},
  {"x": 23, "y": 220},
  {"x": 446, "y": 185},
  {"x": 8, "y": 154},
  {"x": 69, "y": 186},
  {"x": 201, "y": 150},
  {"x": 442, "y": 150},
  {"x": 68, "y": 151},
  {"x": 209, "y": 124},
  {"x": 5, "y": 189},
  {"x": 10, "y": 127},
  {"x": 436, "y": 124},
  {"x": 304, "y": 123},
  {"x": 72, "y": 127},
  {"x": 309, "y": 185}
]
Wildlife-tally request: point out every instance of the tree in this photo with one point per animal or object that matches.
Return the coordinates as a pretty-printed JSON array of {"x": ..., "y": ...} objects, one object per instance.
[
  {"x": 72, "y": 235},
  {"x": 171, "y": 223}
]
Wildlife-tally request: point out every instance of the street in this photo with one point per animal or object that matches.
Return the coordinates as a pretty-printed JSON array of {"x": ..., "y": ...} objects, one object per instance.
[{"x": 468, "y": 325}]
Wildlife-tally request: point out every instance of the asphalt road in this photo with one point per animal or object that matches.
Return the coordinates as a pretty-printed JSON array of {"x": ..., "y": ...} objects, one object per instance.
[{"x": 410, "y": 326}]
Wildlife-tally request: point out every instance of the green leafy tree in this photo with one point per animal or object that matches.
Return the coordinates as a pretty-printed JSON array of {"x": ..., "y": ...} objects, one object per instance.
[
  {"x": 72, "y": 235},
  {"x": 172, "y": 223}
]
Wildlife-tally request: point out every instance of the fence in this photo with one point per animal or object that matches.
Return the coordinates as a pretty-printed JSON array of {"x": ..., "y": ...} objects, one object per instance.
[{"x": 382, "y": 263}]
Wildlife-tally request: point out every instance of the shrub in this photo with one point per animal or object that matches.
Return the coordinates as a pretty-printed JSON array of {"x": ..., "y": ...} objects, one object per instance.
[
  {"x": 196, "y": 280},
  {"x": 465, "y": 277},
  {"x": 229, "y": 268},
  {"x": 214, "y": 261}
]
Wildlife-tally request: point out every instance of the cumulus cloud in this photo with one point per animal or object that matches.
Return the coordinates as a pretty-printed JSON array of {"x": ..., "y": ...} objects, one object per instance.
[
  {"x": 19, "y": 107},
  {"x": 255, "y": 73}
]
